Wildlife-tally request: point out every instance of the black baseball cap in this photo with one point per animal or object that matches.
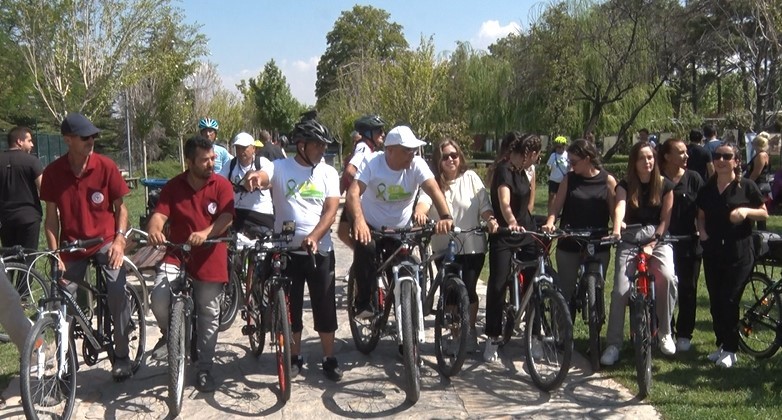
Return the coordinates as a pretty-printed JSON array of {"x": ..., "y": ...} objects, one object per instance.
[{"x": 75, "y": 123}]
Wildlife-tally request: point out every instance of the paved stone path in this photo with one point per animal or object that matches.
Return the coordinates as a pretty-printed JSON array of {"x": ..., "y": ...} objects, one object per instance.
[{"x": 371, "y": 387}]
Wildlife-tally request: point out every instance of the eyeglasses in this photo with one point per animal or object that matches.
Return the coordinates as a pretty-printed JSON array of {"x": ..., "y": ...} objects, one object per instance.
[
  {"x": 721, "y": 156},
  {"x": 408, "y": 150},
  {"x": 87, "y": 138},
  {"x": 450, "y": 156},
  {"x": 574, "y": 162}
]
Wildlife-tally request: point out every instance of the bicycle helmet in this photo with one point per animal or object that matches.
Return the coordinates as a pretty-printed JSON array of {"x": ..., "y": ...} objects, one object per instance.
[
  {"x": 310, "y": 130},
  {"x": 368, "y": 123},
  {"x": 560, "y": 141},
  {"x": 283, "y": 141},
  {"x": 208, "y": 123}
]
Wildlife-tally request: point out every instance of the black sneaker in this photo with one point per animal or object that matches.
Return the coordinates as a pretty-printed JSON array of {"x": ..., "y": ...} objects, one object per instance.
[
  {"x": 160, "y": 351},
  {"x": 331, "y": 369},
  {"x": 205, "y": 382},
  {"x": 121, "y": 369},
  {"x": 297, "y": 364}
]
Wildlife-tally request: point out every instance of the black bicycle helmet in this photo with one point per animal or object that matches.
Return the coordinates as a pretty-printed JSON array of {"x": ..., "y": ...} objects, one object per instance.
[
  {"x": 311, "y": 130},
  {"x": 368, "y": 123}
]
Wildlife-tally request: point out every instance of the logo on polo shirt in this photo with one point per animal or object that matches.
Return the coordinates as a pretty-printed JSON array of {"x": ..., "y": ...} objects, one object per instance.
[
  {"x": 97, "y": 197},
  {"x": 212, "y": 208}
]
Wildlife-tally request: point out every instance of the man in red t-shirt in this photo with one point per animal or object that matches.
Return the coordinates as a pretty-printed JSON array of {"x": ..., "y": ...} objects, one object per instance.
[
  {"x": 83, "y": 193},
  {"x": 198, "y": 204}
]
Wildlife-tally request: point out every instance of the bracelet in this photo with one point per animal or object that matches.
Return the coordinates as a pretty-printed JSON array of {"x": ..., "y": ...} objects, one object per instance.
[{"x": 446, "y": 217}]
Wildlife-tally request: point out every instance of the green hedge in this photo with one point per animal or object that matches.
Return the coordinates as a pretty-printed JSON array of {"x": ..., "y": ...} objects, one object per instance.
[{"x": 168, "y": 169}]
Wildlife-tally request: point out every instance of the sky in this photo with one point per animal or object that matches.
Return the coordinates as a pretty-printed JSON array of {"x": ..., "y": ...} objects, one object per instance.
[{"x": 245, "y": 34}]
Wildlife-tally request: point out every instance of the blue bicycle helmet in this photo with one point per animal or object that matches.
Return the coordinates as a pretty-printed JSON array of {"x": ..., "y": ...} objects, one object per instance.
[{"x": 208, "y": 123}]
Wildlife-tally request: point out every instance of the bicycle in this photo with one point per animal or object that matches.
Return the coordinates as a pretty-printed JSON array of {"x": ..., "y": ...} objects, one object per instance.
[
  {"x": 760, "y": 316},
  {"x": 27, "y": 281},
  {"x": 49, "y": 362},
  {"x": 232, "y": 291},
  {"x": 452, "y": 317},
  {"x": 589, "y": 298},
  {"x": 643, "y": 318},
  {"x": 548, "y": 328},
  {"x": 404, "y": 293},
  {"x": 266, "y": 301}
]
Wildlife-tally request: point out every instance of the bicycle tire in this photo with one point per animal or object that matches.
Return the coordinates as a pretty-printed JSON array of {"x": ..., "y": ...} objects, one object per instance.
[
  {"x": 451, "y": 327},
  {"x": 593, "y": 319},
  {"x": 229, "y": 303},
  {"x": 177, "y": 351},
  {"x": 137, "y": 330},
  {"x": 282, "y": 341},
  {"x": 29, "y": 293},
  {"x": 548, "y": 322},
  {"x": 53, "y": 397},
  {"x": 509, "y": 314},
  {"x": 255, "y": 322},
  {"x": 412, "y": 374},
  {"x": 366, "y": 332},
  {"x": 134, "y": 272},
  {"x": 642, "y": 344},
  {"x": 759, "y": 317}
]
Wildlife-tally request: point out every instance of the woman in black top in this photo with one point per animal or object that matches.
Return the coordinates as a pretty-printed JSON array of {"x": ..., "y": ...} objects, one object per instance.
[
  {"x": 686, "y": 254},
  {"x": 643, "y": 197},
  {"x": 759, "y": 168},
  {"x": 512, "y": 197},
  {"x": 727, "y": 205},
  {"x": 586, "y": 199}
]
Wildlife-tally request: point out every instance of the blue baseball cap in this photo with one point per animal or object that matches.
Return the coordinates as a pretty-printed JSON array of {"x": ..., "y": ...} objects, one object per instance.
[{"x": 75, "y": 123}]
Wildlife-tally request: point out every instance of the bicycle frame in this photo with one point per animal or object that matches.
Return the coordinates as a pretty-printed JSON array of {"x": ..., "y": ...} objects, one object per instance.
[{"x": 521, "y": 301}]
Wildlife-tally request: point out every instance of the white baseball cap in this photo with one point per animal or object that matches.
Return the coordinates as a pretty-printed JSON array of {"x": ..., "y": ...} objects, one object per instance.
[
  {"x": 244, "y": 140},
  {"x": 403, "y": 136}
]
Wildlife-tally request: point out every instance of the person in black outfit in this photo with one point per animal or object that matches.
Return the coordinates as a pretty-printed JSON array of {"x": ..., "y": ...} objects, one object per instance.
[
  {"x": 686, "y": 254},
  {"x": 699, "y": 159},
  {"x": 586, "y": 198},
  {"x": 727, "y": 205},
  {"x": 270, "y": 150},
  {"x": 20, "y": 181},
  {"x": 512, "y": 198}
]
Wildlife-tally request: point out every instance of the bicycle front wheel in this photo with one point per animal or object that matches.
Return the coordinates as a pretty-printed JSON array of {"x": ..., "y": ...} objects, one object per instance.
[
  {"x": 48, "y": 383},
  {"x": 509, "y": 314},
  {"x": 177, "y": 349},
  {"x": 229, "y": 305},
  {"x": 255, "y": 325},
  {"x": 640, "y": 324},
  {"x": 412, "y": 378},
  {"x": 282, "y": 341},
  {"x": 548, "y": 339},
  {"x": 137, "y": 329},
  {"x": 594, "y": 320},
  {"x": 366, "y": 331},
  {"x": 760, "y": 314},
  {"x": 31, "y": 289},
  {"x": 451, "y": 326}
]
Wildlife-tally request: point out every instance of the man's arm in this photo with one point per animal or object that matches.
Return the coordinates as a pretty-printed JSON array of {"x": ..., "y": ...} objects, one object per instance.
[
  {"x": 353, "y": 203},
  {"x": 327, "y": 218},
  {"x": 255, "y": 180},
  {"x": 51, "y": 225},
  {"x": 438, "y": 199},
  {"x": 212, "y": 231},
  {"x": 117, "y": 249},
  {"x": 155, "y": 228},
  {"x": 38, "y": 183}
]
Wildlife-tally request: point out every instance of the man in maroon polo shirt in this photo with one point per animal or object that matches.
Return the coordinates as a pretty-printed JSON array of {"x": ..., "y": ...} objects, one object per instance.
[
  {"x": 198, "y": 204},
  {"x": 83, "y": 194}
]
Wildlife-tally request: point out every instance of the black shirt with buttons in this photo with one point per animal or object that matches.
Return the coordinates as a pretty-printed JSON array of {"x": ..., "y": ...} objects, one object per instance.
[
  {"x": 685, "y": 210},
  {"x": 717, "y": 207}
]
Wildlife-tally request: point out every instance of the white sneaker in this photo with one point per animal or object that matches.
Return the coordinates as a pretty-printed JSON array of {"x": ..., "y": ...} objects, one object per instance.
[
  {"x": 490, "y": 350},
  {"x": 667, "y": 346},
  {"x": 610, "y": 356},
  {"x": 727, "y": 360},
  {"x": 683, "y": 344},
  {"x": 715, "y": 355}
]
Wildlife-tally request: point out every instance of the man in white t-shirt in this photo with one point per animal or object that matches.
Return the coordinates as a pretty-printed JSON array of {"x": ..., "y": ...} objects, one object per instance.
[
  {"x": 252, "y": 208},
  {"x": 306, "y": 190},
  {"x": 383, "y": 195}
]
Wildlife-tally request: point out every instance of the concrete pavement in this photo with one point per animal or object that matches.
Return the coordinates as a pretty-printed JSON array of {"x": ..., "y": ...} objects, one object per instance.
[{"x": 371, "y": 387}]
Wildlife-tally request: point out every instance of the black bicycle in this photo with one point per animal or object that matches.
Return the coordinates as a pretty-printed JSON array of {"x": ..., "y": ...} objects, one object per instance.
[
  {"x": 28, "y": 282},
  {"x": 49, "y": 361},
  {"x": 760, "y": 304}
]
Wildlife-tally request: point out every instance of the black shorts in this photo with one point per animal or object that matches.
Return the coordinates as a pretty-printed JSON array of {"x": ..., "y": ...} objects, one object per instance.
[
  {"x": 553, "y": 187},
  {"x": 246, "y": 219}
]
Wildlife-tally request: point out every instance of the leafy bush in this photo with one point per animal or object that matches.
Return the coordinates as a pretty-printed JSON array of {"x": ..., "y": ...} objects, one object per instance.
[{"x": 167, "y": 169}]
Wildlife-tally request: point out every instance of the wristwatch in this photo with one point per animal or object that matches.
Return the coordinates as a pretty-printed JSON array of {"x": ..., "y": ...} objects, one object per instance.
[
  {"x": 119, "y": 232},
  {"x": 446, "y": 217}
]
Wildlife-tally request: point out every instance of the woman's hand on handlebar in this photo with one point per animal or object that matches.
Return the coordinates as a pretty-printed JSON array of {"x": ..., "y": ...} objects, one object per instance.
[
  {"x": 548, "y": 228},
  {"x": 492, "y": 225},
  {"x": 420, "y": 219},
  {"x": 516, "y": 228},
  {"x": 443, "y": 226}
]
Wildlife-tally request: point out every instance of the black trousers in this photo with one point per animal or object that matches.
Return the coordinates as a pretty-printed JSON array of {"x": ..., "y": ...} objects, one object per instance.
[
  {"x": 365, "y": 267},
  {"x": 727, "y": 265},
  {"x": 25, "y": 235},
  {"x": 687, "y": 265},
  {"x": 499, "y": 271}
]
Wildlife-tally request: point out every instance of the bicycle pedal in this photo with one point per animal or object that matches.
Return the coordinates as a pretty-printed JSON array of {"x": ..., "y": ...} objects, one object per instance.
[
  {"x": 243, "y": 314},
  {"x": 249, "y": 329}
]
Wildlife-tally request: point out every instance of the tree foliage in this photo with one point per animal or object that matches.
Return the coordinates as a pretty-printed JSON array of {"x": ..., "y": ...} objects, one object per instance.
[{"x": 276, "y": 107}]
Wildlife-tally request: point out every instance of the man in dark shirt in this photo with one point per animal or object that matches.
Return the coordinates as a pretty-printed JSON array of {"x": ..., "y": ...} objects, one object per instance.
[
  {"x": 699, "y": 159},
  {"x": 270, "y": 149},
  {"x": 20, "y": 181}
]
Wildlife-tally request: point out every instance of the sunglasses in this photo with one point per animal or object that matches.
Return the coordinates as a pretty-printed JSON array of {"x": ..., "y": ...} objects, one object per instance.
[
  {"x": 87, "y": 138},
  {"x": 450, "y": 156},
  {"x": 723, "y": 156}
]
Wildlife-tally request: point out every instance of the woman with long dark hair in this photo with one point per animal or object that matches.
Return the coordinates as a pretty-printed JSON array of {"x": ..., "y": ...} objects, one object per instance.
[
  {"x": 727, "y": 206},
  {"x": 643, "y": 198},
  {"x": 512, "y": 198},
  {"x": 686, "y": 254}
]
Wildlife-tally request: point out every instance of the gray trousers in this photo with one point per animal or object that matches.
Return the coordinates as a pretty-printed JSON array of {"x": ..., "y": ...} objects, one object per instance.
[
  {"x": 206, "y": 297},
  {"x": 568, "y": 264},
  {"x": 116, "y": 296},
  {"x": 660, "y": 266},
  {"x": 12, "y": 317}
]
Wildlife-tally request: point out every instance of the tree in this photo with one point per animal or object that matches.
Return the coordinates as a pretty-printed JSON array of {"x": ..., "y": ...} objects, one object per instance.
[
  {"x": 278, "y": 110},
  {"x": 80, "y": 52},
  {"x": 360, "y": 35}
]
